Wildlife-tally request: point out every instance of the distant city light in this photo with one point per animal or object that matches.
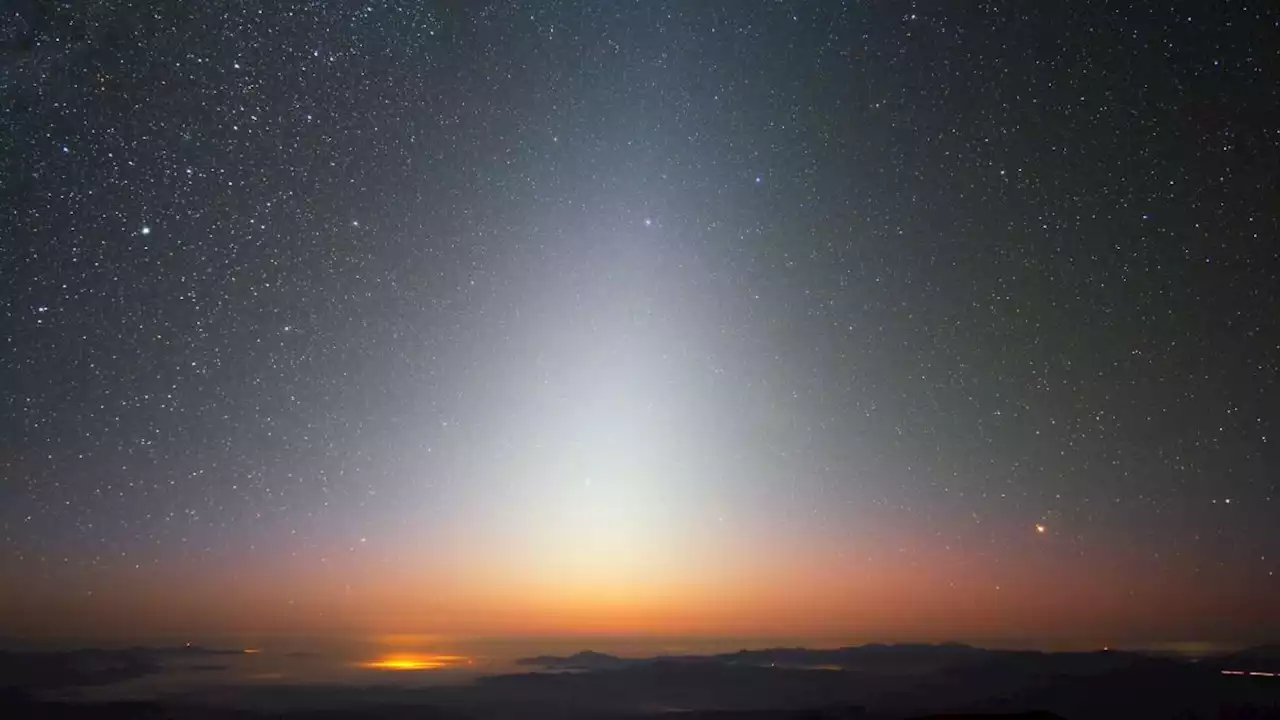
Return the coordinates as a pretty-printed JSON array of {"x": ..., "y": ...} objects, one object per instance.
[{"x": 415, "y": 661}]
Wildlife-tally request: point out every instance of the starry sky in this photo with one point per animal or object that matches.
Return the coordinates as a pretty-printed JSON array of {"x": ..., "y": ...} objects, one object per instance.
[{"x": 842, "y": 320}]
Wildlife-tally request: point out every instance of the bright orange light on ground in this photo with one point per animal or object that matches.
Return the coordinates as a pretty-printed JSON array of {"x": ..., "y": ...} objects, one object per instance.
[{"x": 415, "y": 661}]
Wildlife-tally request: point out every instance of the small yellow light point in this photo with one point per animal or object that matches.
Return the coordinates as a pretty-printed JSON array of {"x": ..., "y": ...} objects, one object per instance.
[
  {"x": 251, "y": 651},
  {"x": 1041, "y": 529}
]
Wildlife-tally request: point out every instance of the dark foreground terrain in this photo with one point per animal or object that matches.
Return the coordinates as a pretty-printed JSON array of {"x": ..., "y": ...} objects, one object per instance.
[{"x": 872, "y": 682}]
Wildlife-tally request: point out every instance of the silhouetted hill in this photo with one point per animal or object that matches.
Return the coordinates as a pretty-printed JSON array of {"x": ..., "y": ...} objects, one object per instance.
[
  {"x": 867, "y": 658},
  {"x": 189, "y": 650},
  {"x": 45, "y": 670},
  {"x": 1001, "y": 716},
  {"x": 874, "y": 682},
  {"x": 1265, "y": 658},
  {"x": 90, "y": 666},
  {"x": 904, "y": 679},
  {"x": 584, "y": 660}
]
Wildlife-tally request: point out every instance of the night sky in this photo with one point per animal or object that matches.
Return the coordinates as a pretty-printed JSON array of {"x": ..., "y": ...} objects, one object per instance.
[{"x": 847, "y": 320}]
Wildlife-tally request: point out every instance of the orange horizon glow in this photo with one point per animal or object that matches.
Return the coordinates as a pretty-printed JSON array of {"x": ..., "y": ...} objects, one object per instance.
[{"x": 1051, "y": 591}]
